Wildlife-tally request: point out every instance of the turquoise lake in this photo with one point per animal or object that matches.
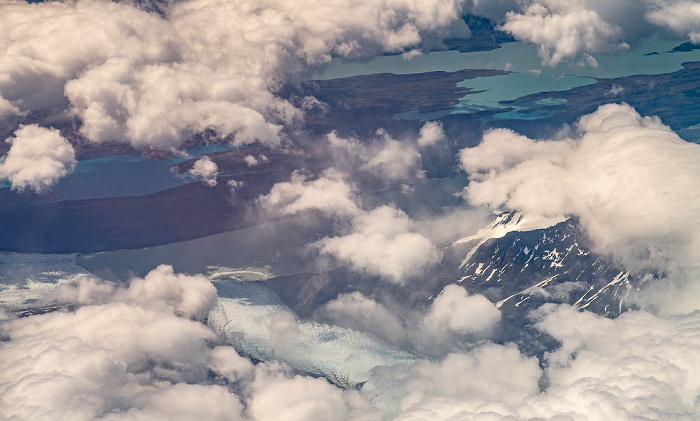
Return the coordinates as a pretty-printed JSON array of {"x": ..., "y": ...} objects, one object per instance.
[{"x": 527, "y": 74}]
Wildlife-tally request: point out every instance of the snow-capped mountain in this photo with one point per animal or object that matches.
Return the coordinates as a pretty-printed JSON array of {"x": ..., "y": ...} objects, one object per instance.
[{"x": 522, "y": 269}]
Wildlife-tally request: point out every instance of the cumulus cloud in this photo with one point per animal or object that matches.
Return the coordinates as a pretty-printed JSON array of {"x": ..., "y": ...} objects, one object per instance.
[
  {"x": 445, "y": 228},
  {"x": 453, "y": 319},
  {"x": 329, "y": 193},
  {"x": 564, "y": 30},
  {"x": 630, "y": 179},
  {"x": 206, "y": 170},
  {"x": 155, "y": 79},
  {"x": 136, "y": 353},
  {"x": 37, "y": 159},
  {"x": 304, "y": 398},
  {"x": 498, "y": 377},
  {"x": 577, "y": 30},
  {"x": 389, "y": 159},
  {"x": 7, "y": 109},
  {"x": 681, "y": 17},
  {"x": 359, "y": 312},
  {"x": 454, "y": 310},
  {"x": 125, "y": 356},
  {"x": 395, "y": 162},
  {"x": 430, "y": 134},
  {"x": 635, "y": 367},
  {"x": 381, "y": 242},
  {"x": 252, "y": 161}
]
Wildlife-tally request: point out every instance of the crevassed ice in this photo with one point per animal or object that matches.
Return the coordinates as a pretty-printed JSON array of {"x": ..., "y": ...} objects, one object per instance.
[{"x": 252, "y": 320}]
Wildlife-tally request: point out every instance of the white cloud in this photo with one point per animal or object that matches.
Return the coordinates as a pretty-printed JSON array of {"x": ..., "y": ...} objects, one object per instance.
[
  {"x": 7, "y": 109},
  {"x": 356, "y": 311},
  {"x": 251, "y": 161},
  {"x": 381, "y": 242},
  {"x": 384, "y": 157},
  {"x": 454, "y": 318},
  {"x": 486, "y": 380},
  {"x": 153, "y": 80},
  {"x": 575, "y": 30},
  {"x": 446, "y": 228},
  {"x": 329, "y": 193},
  {"x": 682, "y": 17},
  {"x": 184, "y": 295},
  {"x": 408, "y": 55},
  {"x": 394, "y": 161},
  {"x": 564, "y": 30},
  {"x": 635, "y": 367},
  {"x": 37, "y": 159},
  {"x": 303, "y": 398},
  {"x": 630, "y": 179},
  {"x": 134, "y": 353},
  {"x": 102, "y": 359},
  {"x": 205, "y": 169},
  {"x": 430, "y": 134},
  {"x": 454, "y": 310}
]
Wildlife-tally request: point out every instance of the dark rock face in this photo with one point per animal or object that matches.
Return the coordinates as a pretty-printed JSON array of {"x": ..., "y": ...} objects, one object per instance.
[{"x": 524, "y": 270}]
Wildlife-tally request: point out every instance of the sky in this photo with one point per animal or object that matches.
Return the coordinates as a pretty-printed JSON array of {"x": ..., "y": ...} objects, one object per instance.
[{"x": 154, "y": 75}]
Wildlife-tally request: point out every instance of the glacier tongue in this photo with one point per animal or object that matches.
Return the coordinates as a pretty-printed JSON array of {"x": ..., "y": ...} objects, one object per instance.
[{"x": 252, "y": 320}]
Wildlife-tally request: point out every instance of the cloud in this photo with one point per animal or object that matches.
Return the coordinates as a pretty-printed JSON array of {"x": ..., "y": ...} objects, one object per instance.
[
  {"x": 101, "y": 360},
  {"x": 252, "y": 161},
  {"x": 304, "y": 398},
  {"x": 630, "y": 179},
  {"x": 564, "y": 30},
  {"x": 381, "y": 242},
  {"x": 681, "y": 17},
  {"x": 391, "y": 160},
  {"x": 184, "y": 295},
  {"x": 430, "y": 134},
  {"x": 453, "y": 319},
  {"x": 7, "y": 109},
  {"x": 635, "y": 367},
  {"x": 136, "y": 353},
  {"x": 205, "y": 169},
  {"x": 356, "y": 311},
  {"x": 484, "y": 381},
  {"x": 577, "y": 30},
  {"x": 37, "y": 159},
  {"x": 454, "y": 310},
  {"x": 394, "y": 161},
  {"x": 445, "y": 228},
  {"x": 329, "y": 193},
  {"x": 154, "y": 79}
]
